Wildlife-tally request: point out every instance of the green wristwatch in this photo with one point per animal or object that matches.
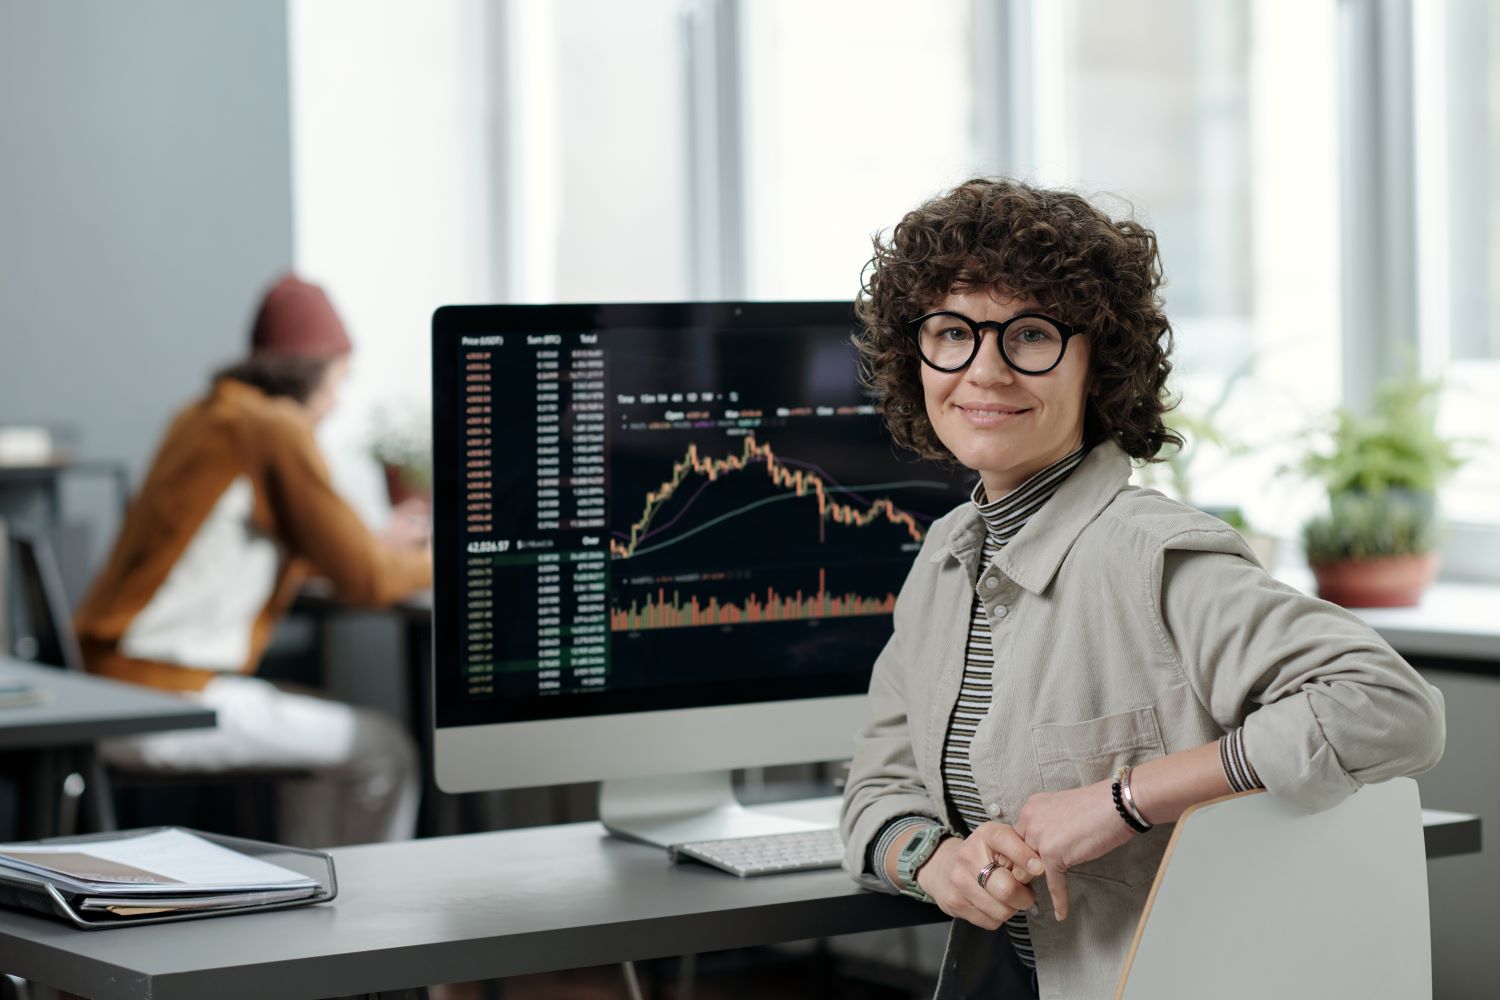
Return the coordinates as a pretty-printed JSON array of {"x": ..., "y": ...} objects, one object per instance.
[{"x": 914, "y": 855}]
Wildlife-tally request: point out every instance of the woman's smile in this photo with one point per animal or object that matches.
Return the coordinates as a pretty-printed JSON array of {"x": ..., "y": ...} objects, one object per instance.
[{"x": 984, "y": 416}]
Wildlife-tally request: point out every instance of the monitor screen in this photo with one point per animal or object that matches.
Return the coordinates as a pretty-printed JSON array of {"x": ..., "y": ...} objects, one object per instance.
[{"x": 662, "y": 506}]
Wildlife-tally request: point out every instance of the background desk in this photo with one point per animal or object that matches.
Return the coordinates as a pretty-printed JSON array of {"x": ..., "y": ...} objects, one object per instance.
[
  {"x": 473, "y": 907},
  {"x": 78, "y": 709},
  {"x": 43, "y": 742}
]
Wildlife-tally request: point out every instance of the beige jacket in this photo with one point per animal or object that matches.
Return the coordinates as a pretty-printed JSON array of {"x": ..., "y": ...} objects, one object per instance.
[{"x": 1126, "y": 626}]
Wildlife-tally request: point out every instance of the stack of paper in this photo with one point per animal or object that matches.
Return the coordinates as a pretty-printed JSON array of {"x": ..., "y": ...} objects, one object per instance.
[{"x": 161, "y": 872}]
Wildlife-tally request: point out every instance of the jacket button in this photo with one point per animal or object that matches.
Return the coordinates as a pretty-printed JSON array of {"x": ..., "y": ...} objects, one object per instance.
[
  {"x": 991, "y": 582},
  {"x": 993, "y": 809},
  {"x": 1000, "y": 611}
]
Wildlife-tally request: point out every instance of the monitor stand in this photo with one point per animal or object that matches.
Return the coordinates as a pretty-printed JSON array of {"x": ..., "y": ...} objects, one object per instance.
[{"x": 683, "y": 808}]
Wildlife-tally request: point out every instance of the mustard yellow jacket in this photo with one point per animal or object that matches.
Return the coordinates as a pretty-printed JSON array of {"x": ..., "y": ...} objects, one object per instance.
[
  {"x": 236, "y": 433},
  {"x": 1126, "y": 626}
]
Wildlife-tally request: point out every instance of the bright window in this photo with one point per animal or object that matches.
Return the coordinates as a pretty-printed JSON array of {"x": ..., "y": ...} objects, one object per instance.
[
  {"x": 1458, "y": 196},
  {"x": 596, "y": 170},
  {"x": 583, "y": 150},
  {"x": 854, "y": 112},
  {"x": 1217, "y": 121},
  {"x": 392, "y": 195}
]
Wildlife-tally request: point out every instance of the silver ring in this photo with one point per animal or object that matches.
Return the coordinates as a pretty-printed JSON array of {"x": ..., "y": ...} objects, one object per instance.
[{"x": 986, "y": 872}]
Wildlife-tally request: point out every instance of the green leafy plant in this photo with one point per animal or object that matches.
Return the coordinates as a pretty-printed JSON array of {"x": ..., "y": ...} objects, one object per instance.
[
  {"x": 1202, "y": 428},
  {"x": 1198, "y": 427},
  {"x": 1370, "y": 526},
  {"x": 1232, "y": 516},
  {"x": 1381, "y": 471},
  {"x": 403, "y": 441},
  {"x": 1395, "y": 446}
]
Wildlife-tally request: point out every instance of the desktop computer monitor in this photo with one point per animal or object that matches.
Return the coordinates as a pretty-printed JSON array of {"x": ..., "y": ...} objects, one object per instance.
[{"x": 668, "y": 541}]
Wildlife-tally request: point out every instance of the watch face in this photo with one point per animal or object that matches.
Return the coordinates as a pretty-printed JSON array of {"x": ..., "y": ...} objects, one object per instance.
[
  {"x": 913, "y": 855},
  {"x": 918, "y": 849}
]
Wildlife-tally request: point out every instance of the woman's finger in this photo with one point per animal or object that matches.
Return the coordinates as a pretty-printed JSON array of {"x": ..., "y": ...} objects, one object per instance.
[
  {"x": 1057, "y": 885},
  {"x": 1004, "y": 886},
  {"x": 1005, "y": 842},
  {"x": 968, "y": 899},
  {"x": 943, "y": 876}
]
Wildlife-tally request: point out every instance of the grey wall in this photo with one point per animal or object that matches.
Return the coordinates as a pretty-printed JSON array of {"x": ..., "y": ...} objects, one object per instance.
[
  {"x": 145, "y": 199},
  {"x": 1464, "y": 892}
]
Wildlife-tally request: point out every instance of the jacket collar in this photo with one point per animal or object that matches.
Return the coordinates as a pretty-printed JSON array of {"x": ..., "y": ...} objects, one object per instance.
[{"x": 1032, "y": 558}]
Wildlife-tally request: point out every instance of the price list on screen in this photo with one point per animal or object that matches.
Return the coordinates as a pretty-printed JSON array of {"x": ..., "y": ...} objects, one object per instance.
[
  {"x": 536, "y": 608},
  {"x": 479, "y": 442}
]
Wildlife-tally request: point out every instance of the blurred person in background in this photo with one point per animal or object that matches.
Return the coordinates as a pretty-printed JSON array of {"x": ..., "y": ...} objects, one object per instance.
[{"x": 237, "y": 510}]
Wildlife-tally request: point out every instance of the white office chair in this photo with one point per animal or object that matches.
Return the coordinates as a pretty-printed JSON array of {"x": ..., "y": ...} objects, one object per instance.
[{"x": 1255, "y": 899}]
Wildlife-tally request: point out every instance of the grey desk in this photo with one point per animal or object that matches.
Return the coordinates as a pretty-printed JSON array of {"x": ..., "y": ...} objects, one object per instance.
[
  {"x": 456, "y": 908},
  {"x": 78, "y": 709}
]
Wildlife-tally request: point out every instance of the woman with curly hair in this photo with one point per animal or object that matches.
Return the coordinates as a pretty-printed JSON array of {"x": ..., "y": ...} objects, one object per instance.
[{"x": 1075, "y": 661}]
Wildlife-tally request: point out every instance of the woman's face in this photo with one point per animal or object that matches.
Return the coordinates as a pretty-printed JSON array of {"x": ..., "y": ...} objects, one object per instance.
[{"x": 1004, "y": 425}]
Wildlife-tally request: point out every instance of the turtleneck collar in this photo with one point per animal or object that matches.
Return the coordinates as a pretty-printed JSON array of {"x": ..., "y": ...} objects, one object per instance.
[{"x": 1009, "y": 514}]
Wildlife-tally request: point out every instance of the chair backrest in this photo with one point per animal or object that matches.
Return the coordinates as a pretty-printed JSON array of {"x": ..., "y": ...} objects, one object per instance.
[
  {"x": 45, "y": 633},
  {"x": 1255, "y": 899}
]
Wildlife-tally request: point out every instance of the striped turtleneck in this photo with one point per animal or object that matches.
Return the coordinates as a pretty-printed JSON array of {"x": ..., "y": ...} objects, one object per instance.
[{"x": 1004, "y": 517}]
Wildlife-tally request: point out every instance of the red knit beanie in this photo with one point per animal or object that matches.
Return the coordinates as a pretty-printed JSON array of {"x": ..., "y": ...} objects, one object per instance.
[{"x": 297, "y": 320}]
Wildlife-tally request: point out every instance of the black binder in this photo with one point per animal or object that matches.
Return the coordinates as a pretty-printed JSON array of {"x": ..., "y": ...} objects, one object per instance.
[{"x": 23, "y": 891}]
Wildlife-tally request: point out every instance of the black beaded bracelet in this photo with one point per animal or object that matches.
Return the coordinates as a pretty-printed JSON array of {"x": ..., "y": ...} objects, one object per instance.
[{"x": 1130, "y": 821}]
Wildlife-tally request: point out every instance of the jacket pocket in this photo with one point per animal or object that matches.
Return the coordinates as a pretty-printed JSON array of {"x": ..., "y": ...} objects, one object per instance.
[{"x": 1074, "y": 754}]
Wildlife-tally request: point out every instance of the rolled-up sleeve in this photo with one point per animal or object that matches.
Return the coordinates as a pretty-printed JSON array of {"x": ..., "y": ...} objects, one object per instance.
[
  {"x": 1325, "y": 703},
  {"x": 884, "y": 782}
]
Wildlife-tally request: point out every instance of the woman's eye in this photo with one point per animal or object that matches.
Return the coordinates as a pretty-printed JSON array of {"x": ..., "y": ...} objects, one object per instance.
[
  {"x": 1033, "y": 335},
  {"x": 956, "y": 334}
]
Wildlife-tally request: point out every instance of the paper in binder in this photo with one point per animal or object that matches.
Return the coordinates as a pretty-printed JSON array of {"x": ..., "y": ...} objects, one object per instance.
[{"x": 158, "y": 874}]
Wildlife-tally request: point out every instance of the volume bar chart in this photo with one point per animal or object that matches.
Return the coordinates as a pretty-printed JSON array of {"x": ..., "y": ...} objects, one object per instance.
[{"x": 673, "y": 612}]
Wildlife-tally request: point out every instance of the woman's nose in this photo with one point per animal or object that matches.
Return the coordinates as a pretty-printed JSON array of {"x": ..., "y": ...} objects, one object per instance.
[{"x": 989, "y": 364}]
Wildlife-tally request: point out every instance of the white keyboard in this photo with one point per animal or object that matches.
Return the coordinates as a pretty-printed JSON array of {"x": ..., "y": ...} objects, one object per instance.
[{"x": 768, "y": 854}]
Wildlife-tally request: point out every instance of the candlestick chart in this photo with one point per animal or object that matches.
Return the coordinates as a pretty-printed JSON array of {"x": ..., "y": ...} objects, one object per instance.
[{"x": 806, "y": 545}]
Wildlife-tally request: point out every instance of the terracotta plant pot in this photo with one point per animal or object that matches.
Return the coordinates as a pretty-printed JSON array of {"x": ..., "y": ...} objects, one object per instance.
[{"x": 1387, "y": 582}]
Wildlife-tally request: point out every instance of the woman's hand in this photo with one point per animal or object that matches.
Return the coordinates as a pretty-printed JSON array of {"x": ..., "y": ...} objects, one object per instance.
[
  {"x": 1069, "y": 828},
  {"x": 951, "y": 876}
]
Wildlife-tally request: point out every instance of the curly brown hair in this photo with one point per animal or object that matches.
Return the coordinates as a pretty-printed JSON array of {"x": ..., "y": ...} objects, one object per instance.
[{"x": 1099, "y": 275}]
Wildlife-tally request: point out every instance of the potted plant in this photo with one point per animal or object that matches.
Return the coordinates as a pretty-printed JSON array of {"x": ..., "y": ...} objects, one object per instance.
[
  {"x": 402, "y": 444},
  {"x": 1197, "y": 429},
  {"x": 1377, "y": 544}
]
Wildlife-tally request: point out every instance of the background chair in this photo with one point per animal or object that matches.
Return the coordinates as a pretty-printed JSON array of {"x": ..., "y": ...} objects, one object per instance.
[
  {"x": 1255, "y": 900},
  {"x": 76, "y": 786},
  {"x": 46, "y": 636}
]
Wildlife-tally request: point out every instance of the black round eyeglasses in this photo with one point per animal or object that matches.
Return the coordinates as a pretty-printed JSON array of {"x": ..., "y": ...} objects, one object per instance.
[{"x": 1030, "y": 343}]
